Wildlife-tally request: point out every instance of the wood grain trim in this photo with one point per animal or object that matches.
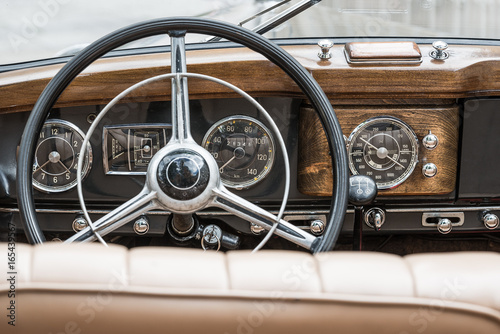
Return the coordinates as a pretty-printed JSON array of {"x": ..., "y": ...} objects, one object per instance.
[
  {"x": 470, "y": 71},
  {"x": 315, "y": 170},
  {"x": 383, "y": 50},
  {"x": 106, "y": 78}
]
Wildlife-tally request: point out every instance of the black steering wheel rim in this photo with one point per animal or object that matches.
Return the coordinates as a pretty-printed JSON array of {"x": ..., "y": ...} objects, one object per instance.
[{"x": 231, "y": 32}]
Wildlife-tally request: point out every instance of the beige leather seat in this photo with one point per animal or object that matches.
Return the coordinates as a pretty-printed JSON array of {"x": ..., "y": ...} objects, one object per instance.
[{"x": 87, "y": 288}]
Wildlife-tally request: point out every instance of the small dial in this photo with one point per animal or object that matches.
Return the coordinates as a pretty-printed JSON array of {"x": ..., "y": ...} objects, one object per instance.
[
  {"x": 57, "y": 157},
  {"x": 384, "y": 148},
  {"x": 243, "y": 148}
]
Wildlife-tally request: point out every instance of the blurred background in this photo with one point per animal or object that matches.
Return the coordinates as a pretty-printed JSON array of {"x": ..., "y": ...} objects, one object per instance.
[{"x": 36, "y": 29}]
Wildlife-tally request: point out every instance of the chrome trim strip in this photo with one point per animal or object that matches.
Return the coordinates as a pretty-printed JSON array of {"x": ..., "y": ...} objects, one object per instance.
[
  {"x": 426, "y": 215},
  {"x": 162, "y": 213},
  {"x": 445, "y": 209},
  {"x": 291, "y": 212}
]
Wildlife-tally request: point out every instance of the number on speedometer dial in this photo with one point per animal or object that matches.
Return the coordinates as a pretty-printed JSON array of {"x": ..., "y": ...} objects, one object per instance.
[
  {"x": 243, "y": 148},
  {"x": 384, "y": 148}
]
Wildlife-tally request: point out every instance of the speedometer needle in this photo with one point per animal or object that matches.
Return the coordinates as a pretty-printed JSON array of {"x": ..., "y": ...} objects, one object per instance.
[
  {"x": 369, "y": 144},
  {"x": 387, "y": 156},
  {"x": 221, "y": 170}
]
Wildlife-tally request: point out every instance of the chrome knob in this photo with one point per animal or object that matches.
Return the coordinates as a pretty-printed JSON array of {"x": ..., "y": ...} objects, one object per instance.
[
  {"x": 317, "y": 227},
  {"x": 141, "y": 226},
  {"x": 429, "y": 170},
  {"x": 439, "y": 52},
  {"x": 325, "y": 45},
  {"x": 444, "y": 226},
  {"x": 490, "y": 220},
  {"x": 430, "y": 141},
  {"x": 79, "y": 224},
  {"x": 256, "y": 229}
]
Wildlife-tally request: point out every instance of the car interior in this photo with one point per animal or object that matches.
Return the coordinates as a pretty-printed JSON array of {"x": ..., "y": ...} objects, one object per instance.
[{"x": 279, "y": 178}]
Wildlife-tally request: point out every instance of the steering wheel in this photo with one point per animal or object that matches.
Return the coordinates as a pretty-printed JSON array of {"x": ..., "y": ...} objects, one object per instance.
[{"x": 166, "y": 187}]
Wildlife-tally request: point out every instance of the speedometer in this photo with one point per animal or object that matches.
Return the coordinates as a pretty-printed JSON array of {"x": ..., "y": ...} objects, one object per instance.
[
  {"x": 384, "y": 148},
  {"x": 243, "y": 148}
]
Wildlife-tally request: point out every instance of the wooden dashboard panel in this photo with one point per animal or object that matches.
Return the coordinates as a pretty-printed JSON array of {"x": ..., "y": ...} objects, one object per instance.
[
  {"x": 315, "y": 168},
  {"x": 471, "y": 71}
]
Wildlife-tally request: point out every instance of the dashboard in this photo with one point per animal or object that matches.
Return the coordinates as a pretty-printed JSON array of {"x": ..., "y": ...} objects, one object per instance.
[{"x": 422, "y": 132}]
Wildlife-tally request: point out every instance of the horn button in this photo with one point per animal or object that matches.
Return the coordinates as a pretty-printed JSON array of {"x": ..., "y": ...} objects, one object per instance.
[{"x": 183, "y": 174}]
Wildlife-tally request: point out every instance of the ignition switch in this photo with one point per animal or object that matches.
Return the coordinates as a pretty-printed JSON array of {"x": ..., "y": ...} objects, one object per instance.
[
  {"x": 375, "y": 218},
  {"x": 213, "y": 237}
]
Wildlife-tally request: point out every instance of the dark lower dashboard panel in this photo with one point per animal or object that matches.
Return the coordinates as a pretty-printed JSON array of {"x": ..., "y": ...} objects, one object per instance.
[{"x": 477, "y": 171}]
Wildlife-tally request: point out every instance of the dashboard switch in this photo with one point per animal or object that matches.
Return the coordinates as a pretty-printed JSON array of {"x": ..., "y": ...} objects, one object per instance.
[
  {"x": 375, "y": 218},
  {"x": 214, "y": 237},
  {"x": 211, "y": 239},
  {"x": 444, "y": 226},
  {"x": 429, "y": 170},
  {"x": 490, "y": 220},
  {"x": 430, "y": 141}
]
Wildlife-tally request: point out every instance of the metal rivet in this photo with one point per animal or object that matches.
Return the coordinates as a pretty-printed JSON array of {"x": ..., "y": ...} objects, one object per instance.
[
  {"x": 79, "y": 224},
  {"x": 317, "y": 227},
  {"x": 141, "y": 226},
  {"x": 91, "y": 118},
  {"x": 490, "y": 220},
  {"x": 256, "y": 229}
]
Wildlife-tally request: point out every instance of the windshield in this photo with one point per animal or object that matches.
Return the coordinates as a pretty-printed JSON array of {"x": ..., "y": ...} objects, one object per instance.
[{"x": 37, "y": 29}]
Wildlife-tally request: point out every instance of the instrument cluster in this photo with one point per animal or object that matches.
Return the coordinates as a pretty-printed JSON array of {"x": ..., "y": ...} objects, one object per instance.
[{"x": 243, "y": 148}]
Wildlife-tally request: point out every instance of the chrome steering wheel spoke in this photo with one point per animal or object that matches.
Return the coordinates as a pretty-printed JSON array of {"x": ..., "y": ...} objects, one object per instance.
[
  {"x": 144, "y": 202},
  {"x": 181, "y": 129},
  {"x": 252, "y": 213}
]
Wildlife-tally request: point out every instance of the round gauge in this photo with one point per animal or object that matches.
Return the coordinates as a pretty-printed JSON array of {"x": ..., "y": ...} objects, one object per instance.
[
  {"x": 384, "y": 148},
  {"x": 57, "y": 156},
  {"x": 243, "y": 148}
]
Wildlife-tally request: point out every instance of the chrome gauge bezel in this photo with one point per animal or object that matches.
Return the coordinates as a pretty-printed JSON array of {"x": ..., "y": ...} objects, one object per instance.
[
  {"x": 86, "y": 167},
  {"x": 263, "y": 174},
  {"x": 411, "y": 136}
]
